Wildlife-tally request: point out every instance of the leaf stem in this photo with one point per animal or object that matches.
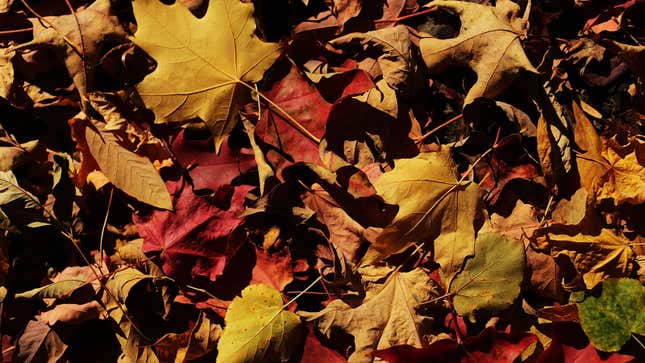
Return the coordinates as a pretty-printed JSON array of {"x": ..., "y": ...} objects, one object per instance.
[{"x": 287, "y": 117}]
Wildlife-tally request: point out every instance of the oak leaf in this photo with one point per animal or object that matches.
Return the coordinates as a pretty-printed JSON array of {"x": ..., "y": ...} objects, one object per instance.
[
  {"x": 219, "y": 55},
  {"x": 389, "y": 315},
  {"x": 488, "y": 42}
]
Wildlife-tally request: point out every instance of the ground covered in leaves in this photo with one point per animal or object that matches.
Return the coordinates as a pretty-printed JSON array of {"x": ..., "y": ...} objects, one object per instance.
[{"x": 322, "y": 181}]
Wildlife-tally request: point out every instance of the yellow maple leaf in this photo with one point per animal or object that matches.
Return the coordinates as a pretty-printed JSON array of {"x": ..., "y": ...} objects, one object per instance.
[
  {"x": 605, "y": 171},
  {"x": 594, "y": 256},
  {"x": 205, "y": 67}
]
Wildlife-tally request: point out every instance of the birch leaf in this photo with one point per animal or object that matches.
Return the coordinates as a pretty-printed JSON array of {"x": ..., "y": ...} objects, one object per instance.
[
  {"x": 217, "y": 56},
  {"x": 610, "y": 319},
  {"x": 491, "y": 280}
]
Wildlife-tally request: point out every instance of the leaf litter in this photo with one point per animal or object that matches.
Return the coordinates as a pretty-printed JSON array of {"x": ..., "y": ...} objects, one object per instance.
[{"x": 299, "y": 181}]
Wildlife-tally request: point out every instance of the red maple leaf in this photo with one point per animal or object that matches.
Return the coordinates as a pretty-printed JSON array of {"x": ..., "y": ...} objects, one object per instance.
[{"x": 196, "y": 239}]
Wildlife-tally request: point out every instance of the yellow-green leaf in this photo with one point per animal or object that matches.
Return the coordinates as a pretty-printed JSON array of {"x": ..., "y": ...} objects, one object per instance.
[
  {"x": 258, "y": 329},
  {"x": 491, "y": 280}
]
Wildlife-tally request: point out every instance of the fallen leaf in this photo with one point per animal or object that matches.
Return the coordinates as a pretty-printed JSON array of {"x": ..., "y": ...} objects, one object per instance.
[
  {"x": 72, "y": 313},
  {"x": 433, "y": 205},
  {"x": 131, "y": 173},
  {"x": 39, "y": 343},
  {"x": 223, "y": 64},
  {"x": 84, "y": 33},
  {"x": 388, "y": 315},
  {"x": 489, "y": 346},
  {"x": 274, "y": 269},
  {"x": 315, "y": 351},
  {"x": 207, "y": 168},
  {"x": 192, "y": 344},
  {"x": 394, "y": 53},
  {"x": 610, "y": 318},
  {"x": 491, "y": 280},
  {"x": 594, "y": 256},
  {"x": 197, "y": 234},
  {"x": 54, "y": 290},
  {"x": 488, "y": 43},
  {"x": 571, "y": 346},
  {"x": 346, "y": 10},
  {"x": 344, "y": 233},
  {"x": 258, "y": 329}
]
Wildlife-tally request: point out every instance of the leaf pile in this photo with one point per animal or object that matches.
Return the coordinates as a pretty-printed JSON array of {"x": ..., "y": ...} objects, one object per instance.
[{"x": 322, "y": 181}]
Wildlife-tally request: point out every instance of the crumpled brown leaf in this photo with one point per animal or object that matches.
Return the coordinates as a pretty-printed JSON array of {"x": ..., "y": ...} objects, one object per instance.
[{"x": 98, "y": 26}]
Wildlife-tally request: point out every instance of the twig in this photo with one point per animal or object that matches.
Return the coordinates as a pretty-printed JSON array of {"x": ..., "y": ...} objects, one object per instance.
[
  {"x": 399, "y": 18},
  {"x": 105, "y": 221},
  {"x": 431, "y": 132}
]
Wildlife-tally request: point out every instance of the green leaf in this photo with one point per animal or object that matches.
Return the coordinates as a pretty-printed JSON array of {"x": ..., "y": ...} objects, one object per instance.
[
  {"x": 258, "y": 329},
  {"x": 610, "y": 318},
  {"x": 55, "y": 290},
  {"x": 491, "y": 279}
]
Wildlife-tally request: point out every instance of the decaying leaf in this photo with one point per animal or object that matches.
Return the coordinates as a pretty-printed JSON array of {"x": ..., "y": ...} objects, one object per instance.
[
  {"x": 222, "y": 64},
  {"x": 79, "y": 50},
  {"x": 258, "y": 329},
  {"x": 194, "y": 343},
  {"x": 39, "y": 343}
]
